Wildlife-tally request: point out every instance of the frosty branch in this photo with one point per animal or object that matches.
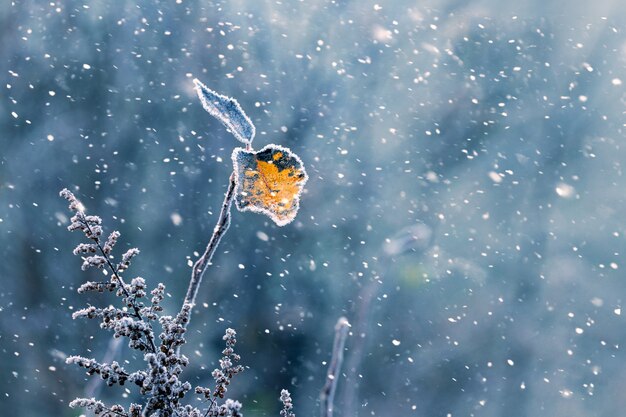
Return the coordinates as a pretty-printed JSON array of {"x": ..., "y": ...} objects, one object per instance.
[
  {"x": 268, "y": 181},
  {"x": 91, "y": 226},
  {"x": 160, "y": 381}
]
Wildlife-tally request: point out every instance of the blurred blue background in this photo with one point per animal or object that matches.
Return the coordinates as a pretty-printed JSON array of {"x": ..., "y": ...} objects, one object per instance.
[{"x": 464, "y": 210}]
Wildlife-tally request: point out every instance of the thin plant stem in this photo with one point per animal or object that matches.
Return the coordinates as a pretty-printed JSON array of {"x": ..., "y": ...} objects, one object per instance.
[
  {"x": 208, "y": 410},
  {"x": 201, "y": 265},
  {"x": 357, "y": 349},
  {"x": 327, "y": 396}
]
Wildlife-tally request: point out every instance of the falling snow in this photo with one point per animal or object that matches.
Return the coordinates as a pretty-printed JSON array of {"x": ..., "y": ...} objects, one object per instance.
[{"x": 464, "y": 208}]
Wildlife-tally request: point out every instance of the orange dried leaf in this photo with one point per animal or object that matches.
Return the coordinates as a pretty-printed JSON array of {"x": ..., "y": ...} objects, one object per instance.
[{"x": 269, "y": 181}]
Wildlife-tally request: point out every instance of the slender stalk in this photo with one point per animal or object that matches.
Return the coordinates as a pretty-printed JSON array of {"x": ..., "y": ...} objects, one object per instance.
[
  {"x": 327, "y": 396},
  {"x": 201, "y": 265},
  {"x": 210, "y": 407},
  {"x": 357, "y": 348},
  {"x": 121, "y": 281}
]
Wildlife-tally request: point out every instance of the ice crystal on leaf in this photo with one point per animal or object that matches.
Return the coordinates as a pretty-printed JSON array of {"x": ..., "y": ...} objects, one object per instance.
[{"x": 228, "y": 111}]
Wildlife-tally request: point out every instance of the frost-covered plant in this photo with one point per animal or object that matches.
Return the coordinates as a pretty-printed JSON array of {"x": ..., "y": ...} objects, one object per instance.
[
  {"x": 268, "y": 181},
  {"x": 159, "y": 382},
  {"x": 285, "y": 398}
]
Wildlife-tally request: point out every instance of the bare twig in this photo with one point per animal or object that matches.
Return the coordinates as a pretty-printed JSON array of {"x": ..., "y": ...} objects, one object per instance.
[
  {"x": 327, "y": 395},
  {"x": 201, "y": 265}
]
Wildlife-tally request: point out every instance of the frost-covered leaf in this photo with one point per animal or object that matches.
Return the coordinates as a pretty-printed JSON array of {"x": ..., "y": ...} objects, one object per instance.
[
  {"x": 269, "y": 181},
  {"x": 228, "y": 111}
]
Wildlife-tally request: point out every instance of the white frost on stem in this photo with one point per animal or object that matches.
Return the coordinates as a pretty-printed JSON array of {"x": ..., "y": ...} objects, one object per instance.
[
  {"x": 201, "y": 265},
  {"x": 327, "y": 396}
]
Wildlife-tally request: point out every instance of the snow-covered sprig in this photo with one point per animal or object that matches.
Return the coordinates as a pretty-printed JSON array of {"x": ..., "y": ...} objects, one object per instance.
[
  {"x": 97, "y": 286},
  {"x": 111, "y": 241},
  {"x": 111, "y": 373},
  {"x": 100, "y": 409},
  {"x": 230, "y": 408},
  {"x": 285, "y": 398},
  {"x": 127, "y": 258},
  {"x": 228, "y": 367},
  {"x": 162, "y": 385},
  {"x": 223, "y": 376},
  {"x": 159, "y": 381},
  {"x": 121, "y": 323},
  {"x": 173, "y": 331},
  {"x": 152, "y": 312}
]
